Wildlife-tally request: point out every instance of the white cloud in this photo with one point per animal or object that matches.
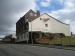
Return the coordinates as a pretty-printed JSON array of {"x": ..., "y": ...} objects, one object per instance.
[
  {"x": 67, "y": 14},
  {"x": 67, "y": 21},
  {"x": 69, "y": 7},
  {"x": 45, "y": 3},
  {"x": 61, "y": 1},
  {"x": 2, "y": 36},
  {"x": 72, "y": 24}
]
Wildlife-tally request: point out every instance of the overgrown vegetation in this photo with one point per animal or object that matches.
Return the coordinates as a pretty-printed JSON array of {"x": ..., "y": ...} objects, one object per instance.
[{"x": 62, "y": 41}]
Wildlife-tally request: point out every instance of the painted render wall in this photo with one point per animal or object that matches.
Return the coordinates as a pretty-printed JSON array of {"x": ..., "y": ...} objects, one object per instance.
[{"x": 53, "y": 25}]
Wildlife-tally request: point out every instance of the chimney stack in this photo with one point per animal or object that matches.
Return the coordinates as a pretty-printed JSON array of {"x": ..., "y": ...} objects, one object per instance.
[{"x": 38, "y": 13}]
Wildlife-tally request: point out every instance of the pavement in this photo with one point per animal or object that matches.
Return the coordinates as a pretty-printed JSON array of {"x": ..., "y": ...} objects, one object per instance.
[{"x": 29, "y": 50}]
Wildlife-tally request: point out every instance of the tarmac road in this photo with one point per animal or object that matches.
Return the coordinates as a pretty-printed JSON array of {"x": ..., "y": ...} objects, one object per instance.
[{"x": 28, "y": 50}]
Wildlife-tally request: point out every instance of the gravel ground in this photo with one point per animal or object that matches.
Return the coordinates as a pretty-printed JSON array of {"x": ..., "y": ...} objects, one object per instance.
[{"x": 29, "y": 50}]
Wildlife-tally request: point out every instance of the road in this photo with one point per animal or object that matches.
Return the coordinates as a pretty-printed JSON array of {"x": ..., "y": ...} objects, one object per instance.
[{"x": 29, "y": 50}]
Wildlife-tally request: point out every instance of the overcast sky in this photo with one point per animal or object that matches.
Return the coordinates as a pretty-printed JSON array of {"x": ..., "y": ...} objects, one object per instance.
[{"x": 12, "y": 10}]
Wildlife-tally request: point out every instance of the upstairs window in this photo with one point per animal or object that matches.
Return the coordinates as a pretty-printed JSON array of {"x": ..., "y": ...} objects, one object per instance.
[
  {"x": 46, "y": 25},
  {"x": 26, "y": 20},
  {"x": 31, "y": 14},
  {"x": 40, "y": 18},
  {"x": 35, "y": 14}
]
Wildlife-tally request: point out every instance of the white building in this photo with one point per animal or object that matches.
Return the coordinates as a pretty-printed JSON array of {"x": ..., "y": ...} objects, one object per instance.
[
  {"x": 35, "y": 23},
  {"x": 46, "y": 23}
]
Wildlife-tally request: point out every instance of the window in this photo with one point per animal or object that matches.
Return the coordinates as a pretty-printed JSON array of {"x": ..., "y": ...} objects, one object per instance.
[
  {"x": 35, "y": 14},
  {"x": 40, "y": 18},
  {"x": 18, "y": 37},
  {"x": 26, "y": 20},
  {"x": 46, "y": 25},
  {"x": 31, "y": 14}
]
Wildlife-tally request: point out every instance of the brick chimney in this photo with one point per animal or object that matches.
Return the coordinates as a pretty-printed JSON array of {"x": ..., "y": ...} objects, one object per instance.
[{"x": 38, "y": 13}]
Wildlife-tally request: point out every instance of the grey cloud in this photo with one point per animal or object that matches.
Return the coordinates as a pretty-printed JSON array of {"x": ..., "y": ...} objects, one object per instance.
[{"x": 9, "y": 9}]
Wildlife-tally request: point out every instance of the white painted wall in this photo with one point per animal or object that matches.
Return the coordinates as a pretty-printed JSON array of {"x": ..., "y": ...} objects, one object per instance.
[{"x": 53, "y": 25}]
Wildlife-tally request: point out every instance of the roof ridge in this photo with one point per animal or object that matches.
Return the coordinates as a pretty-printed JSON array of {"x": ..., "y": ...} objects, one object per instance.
[{"x": 56, "y": 19}]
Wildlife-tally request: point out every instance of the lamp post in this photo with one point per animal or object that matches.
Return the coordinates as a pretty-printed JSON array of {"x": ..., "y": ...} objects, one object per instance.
[{"x": 31, "y": 33}]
